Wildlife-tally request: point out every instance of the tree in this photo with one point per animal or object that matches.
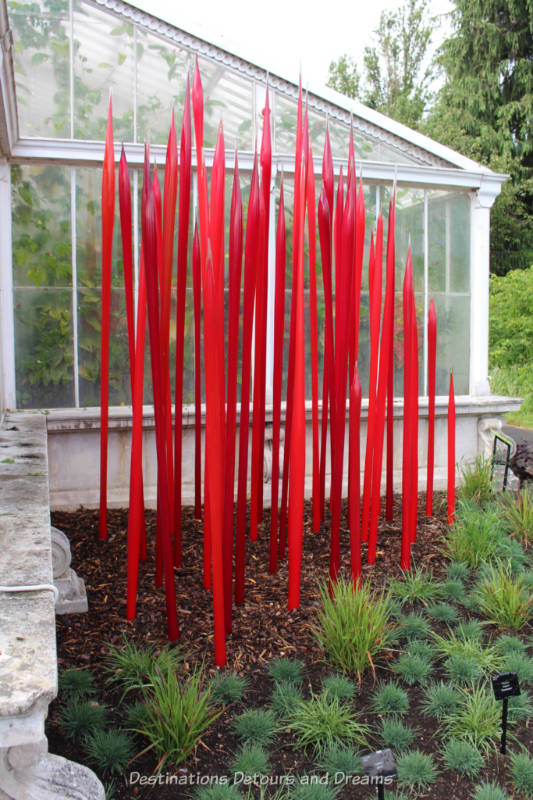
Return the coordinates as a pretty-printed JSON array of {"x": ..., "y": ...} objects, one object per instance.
[
  {"x": 485, "y": 110},
  {"x": 397, "y": 71}
]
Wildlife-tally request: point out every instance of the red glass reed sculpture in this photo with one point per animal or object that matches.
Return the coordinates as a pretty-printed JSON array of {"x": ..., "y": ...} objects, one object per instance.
[
  {"x": 354, "y": 487},
  {"x": 149, "y": 244},
  {"x": 279, "y": 333},
  {"x": 183, "y": 246},
  {"x": 251, "y": 249},
  {"x": 325, "y": 220},
  {"x": 215, "y": 435},
  {"x": 410, "y": 424},
  {"x": 451, "y": 452},
  {"x": 431, "y": 365},
  {"x": 108, "y": 219},
  {"x": 313, "y": 333},
  {"x": 235, "y": 272},
  {"x": 391, "y": 254}
]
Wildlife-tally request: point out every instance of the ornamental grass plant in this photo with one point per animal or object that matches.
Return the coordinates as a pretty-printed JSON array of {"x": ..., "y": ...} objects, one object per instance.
[
  {"x": 354, "y": 625},
  {"x": 503, "y": 598}
]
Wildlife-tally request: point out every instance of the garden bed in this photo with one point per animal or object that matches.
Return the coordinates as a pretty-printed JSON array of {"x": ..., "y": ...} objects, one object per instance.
[{"x": 263, "y": 630}]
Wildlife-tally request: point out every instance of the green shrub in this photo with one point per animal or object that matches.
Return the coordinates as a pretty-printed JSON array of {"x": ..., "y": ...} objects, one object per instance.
[
  {"x": 475, "y": 536},
  {"x": 109, "y": 751},
  {"x": 309, "y": 788},
  {"x": 286, "y": 670},
  {"x": 476, "y": 482},
  {"x": 413, "y": 626},
  {"x": 75, "y": 684},
  {"x": 459, "y": 647},
  {"x": 462, "y": 755},
  {"x": 490, "y": 791},
  {"x": 229, "y": 688},
  {"x": 218, "y": 791},
  {"x": 132, "y": 667},
  {"x": 389, "y": 698},
  {"x": 503, "y": 599},
  {"x": 457, "y": 571},
  {"x": 520, "y": 707},
  {"x": 522, "y": 772},
  {"x": 512, "y": 553},
  {"x": 470, "y": 629},
  {"x": 354, "y": 625},
  {"x": 443, "y": 612},
  {"x": 323, "y": 722},
  {"x": 136, "y": 715},
  {"x": 476, "y": 718},
  {"x": 178, "y": 711},
  {"x": 517, "y": 513},
  {"x": 453, "y": 590},
  {"x": 463, "y": 669},
  {"x": 508, "y": 644},
  {"x": 416, "y": 585},
  {"x": 284, "y": 698},
  {"x": 422, "y": 648},
  {"x": 339, "y": 686},
  {"x": 416, "y": 771},
  {"x": 412, "y": 668},
  {"x": 440, "y": 699},
  {"x": 79, "y": 719},
  {"x": 252, "y": 760},
  {"x": 256, "y": 726},
  {"x": 335, "y": 760},
  {"x": 394, "y": 734},
  {"x": 521, "y": 664}
]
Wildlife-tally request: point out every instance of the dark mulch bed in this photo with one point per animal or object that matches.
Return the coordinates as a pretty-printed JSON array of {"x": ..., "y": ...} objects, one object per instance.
[{"x": 263, "y": 628}]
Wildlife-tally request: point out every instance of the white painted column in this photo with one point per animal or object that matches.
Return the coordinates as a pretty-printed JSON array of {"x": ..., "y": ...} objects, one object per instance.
[
  {"x": 482, "y": 201},
  {"x": 7, "y": 327}
]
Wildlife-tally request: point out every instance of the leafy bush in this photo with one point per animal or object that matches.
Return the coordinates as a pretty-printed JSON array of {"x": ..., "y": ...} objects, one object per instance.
[
  {"x": 412, "y": 668},
  {"x": 395, "y": 734},
  {"x": 339, "y": 686},
  {"x": 178, "y": 711},
  {"x": 510, "y": 336},
  {"x": 252, "y": 760},
  {"x": 323, "y": 722},
  {"x": 476, "y": 718},
  {"x": 416, "y": 770},
  {"x": 522, "y": 772},
  {"x": 284, "y": 698},
  {"x": 416, "y": 585},
  {"x": 230, "y": 688},
  {"x": 286, "y": 670},
  {"x": 517, "y": 513},
  {"x": 256, "y": 726},
  {"x": 110, "y": 750},
  {"x": 389, "y": 698},
  {"x": 440, "y": 699},
  {"x": 462, "y": 755},
  {"x": 354, "y": 625},
  {"x": 337, "y": 759},
  {"x": 76, "y": 683},
  {"x": 79, "y": 719},
  {"x": 503, "y": 599},
  {"x": 476, "y": 482}
]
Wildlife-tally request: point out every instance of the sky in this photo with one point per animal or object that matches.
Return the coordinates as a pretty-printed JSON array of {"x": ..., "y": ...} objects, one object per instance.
[{"x": 289, "y": 35}]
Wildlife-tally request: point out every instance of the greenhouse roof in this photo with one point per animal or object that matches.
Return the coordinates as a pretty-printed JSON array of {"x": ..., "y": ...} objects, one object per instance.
[{"x": 228, "y": 75}]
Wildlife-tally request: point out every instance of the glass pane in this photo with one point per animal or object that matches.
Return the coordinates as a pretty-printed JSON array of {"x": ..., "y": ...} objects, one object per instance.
[
  {"x": 339, "y": 133},
  {"x": 453, "y": 342},
  {"x": 103, "y": 60},
  {"x": 228, "y": 98},
  {"x": 40, "y": 197},
  {"x": 161, "y": 81},
  {"x": 41, "y": 54},
  {"x": 44, "y": 353},
  {"x": 449, "y": 241}
]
